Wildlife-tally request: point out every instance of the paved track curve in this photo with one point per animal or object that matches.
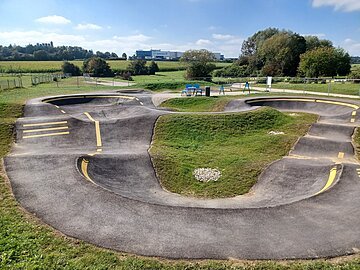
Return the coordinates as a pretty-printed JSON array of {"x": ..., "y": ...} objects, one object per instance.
[{"x": 81, "y": 164}]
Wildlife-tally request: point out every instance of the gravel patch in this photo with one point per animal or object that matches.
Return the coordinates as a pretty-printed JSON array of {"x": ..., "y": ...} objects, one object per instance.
[
  {"x": 276, "y": 133},
  {"x": 206, "y": 174}
]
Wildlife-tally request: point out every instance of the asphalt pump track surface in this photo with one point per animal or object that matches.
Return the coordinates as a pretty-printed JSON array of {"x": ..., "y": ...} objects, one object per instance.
[{"x": 81, "y": 164}]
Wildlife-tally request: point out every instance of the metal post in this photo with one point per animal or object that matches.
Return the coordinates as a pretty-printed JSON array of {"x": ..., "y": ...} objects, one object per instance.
[{"x": 329, "y": 88}]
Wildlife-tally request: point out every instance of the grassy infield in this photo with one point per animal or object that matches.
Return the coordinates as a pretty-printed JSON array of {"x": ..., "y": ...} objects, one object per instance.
[{"x": 25, "y": 243}]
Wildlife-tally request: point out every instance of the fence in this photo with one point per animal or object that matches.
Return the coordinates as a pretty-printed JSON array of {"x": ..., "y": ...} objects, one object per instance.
[
  {"x": 11, "y": 83},
  {"x": 46, "y": 78}
]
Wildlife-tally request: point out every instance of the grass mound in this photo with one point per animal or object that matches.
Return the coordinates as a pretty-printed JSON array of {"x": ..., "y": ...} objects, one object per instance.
[
  {"x": 201, "y": 104},
  {"x": 236, "y": 144}
]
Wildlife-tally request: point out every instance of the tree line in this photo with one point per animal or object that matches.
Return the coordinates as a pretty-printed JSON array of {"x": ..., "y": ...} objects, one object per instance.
[
  {"x": 98, "y": 67},
  {"x": 46, "y": 51},
  {"x": 274, "y": 52}
]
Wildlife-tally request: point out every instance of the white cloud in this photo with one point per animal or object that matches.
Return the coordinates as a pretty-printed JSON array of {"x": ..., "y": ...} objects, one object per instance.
[
  {"x": 319, "y": 35},
  {"x": 352, "y": 46},
  {"x": 222, "y": 37},
  {"x": 53, "y": 19},
  {"x": 119, "y": 44},
  {"x": 344, "y": 5},
  {"x": 133, "y": 38},
  {"x": 33, "y": 37},
  {"x": 202, "y": 42},
  {"x": 87, "y": 26}
]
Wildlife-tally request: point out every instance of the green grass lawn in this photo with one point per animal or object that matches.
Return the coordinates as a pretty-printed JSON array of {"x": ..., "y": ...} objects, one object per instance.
[
  {"x": 238, "y": 145},
  {"x": 198, "y": 104},
  {"x": 27, "y": 243},
  {"x": 338, "y": 88}
]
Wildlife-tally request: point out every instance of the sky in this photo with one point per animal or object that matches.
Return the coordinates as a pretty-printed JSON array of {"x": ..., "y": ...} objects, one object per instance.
[{"x": 175, "y": 25}]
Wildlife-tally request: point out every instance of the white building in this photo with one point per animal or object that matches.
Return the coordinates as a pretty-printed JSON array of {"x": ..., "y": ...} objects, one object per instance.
[{"x": 166, "y": 55}]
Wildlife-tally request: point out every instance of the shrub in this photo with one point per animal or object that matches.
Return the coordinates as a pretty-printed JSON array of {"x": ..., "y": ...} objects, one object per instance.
[
  {"x": 69, "y": 68},
  {"x": 97, "y": 67}
]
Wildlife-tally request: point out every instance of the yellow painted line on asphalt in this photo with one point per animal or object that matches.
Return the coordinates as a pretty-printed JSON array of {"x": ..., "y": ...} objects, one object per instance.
[
  {"x": 352, "y": 120},
  {"x": 62, "y": 111},
  {"x": 309, "y": 100},
  {"x": 353, "y": 113},
  {"x": 97, "y": 129},
  {"x": 45, "y": 124},
  {"x": 329, "y": 182},
  {"x": 283, "y": 99},
  {"x": 44, "y": 129},
  {"x": 84, "y": 170},
  {"x": 87, "y": 96},
  {"x": 99, "y": 150},
  {"x": 337, "y": 103},
  {"x": 89, "y": 116},
  {"x": 57, "y": 106},
  {"x": 341, "y": 155},
  {"x": 46, "y": 135}
]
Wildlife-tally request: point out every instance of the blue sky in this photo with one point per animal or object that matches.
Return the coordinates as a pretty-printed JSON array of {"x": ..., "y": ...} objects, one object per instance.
[{"x": 216, "y": 25}]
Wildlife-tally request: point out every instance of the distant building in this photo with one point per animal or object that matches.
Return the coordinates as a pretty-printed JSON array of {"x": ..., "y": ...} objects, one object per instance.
[{"x": 166, "y": 55}]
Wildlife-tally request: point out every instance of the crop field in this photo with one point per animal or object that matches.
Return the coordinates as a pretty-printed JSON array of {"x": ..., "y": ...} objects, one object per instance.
[{"x": 55, "y": 66}]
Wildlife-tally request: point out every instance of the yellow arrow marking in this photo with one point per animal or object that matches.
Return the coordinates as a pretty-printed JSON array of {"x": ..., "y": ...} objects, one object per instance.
[
  {"x": 45, "y": 124},
  {"x": 44, "y": 129},
  {"x": 331, "y": 179},
  {"x": 46, "y": 135}
]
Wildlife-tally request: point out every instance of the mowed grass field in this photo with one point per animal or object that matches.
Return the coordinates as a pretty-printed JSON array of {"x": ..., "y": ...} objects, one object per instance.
[
  {"x": 27, "y": 243},
  {"x": 55, "y": 66}
]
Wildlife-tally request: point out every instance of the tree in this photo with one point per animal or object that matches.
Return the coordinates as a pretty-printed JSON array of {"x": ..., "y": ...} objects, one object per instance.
[
  {"x": 324, "y": 61},
  {"x": 355, "y": 74},
  {"x": 124, "y": 56},
  {"x": 313, "y": 42},
  {"x": 41, "y": 55},
  {"x": 153, "y": 68},
  {"x": 281, "y": 54},
  {"x": 97, "y": 67},
  {"x": 250, "y": 46},
  {"x": 199, "y": 63},
  {"x": 70, "y": 68},
  {"x": 138, "y": 67}
]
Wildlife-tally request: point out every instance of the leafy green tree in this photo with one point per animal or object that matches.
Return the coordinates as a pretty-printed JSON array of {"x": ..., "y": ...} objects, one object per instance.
[
  {"x": 199, "y": 63},
  {"x": 313, "y": 42},
  {"x": 355, "y": 74},
  {"x": 70, "y": 68},
  {"x": 124, "y": 56},
  {"x": 324, "y": 61},
  {"x": 97, "y": 67},
  {"x": 281, "y": 54},
  {"x": 41, "y": 55},
  {"x": 138, "y": 67},
  {"x": 153, "y": 68},
  {"x": 343, "y": 59},
  {"x": 250, "y": 46}
]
